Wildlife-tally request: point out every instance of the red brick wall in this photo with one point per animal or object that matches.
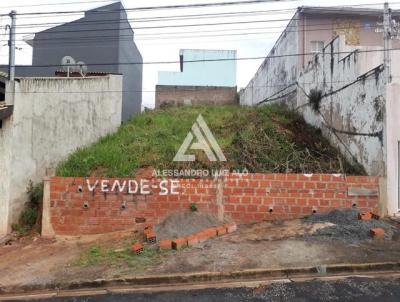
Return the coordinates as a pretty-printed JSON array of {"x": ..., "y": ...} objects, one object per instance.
[
  {"x": 197, "y": 95},
  {"x": 244, "y": 198},
  {"x": 294, "y": 195}
]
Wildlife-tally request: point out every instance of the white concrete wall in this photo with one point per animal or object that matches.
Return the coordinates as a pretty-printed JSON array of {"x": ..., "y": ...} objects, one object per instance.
[
  {"x": 393, "y": 139},
  {"x": 358, "y": 96},
  {"x": 275, "y": 73},
  {"x": 5, "y": 155},
  {"x": 52, "y": 118}
]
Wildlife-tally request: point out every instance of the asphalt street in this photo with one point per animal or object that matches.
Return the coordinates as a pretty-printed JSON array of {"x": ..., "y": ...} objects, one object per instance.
[{"x": 351, "y": 289}]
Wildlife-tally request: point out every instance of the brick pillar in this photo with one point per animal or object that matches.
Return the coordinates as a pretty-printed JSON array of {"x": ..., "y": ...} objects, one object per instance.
[{"x": 220, "y": 198}]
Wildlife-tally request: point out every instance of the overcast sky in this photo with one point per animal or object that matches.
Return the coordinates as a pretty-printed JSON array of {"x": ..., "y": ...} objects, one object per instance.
[{"x": 156, "y": 46}]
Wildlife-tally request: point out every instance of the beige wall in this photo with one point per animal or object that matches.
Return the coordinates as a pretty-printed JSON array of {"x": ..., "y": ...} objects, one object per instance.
[{"x": 195, "y": 95}]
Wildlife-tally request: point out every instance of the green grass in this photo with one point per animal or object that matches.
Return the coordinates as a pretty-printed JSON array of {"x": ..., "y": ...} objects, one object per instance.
[
  {"x": 21, "y": 230},
  {"x": 261, "y": 139},
  {"x": 29, "y": 219},
  {"x": 123, "y": 258}
]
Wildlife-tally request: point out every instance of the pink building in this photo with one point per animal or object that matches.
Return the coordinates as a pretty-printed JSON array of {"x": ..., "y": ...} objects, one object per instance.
[
  {"x": 310, "y": 30},
  {"x": 317, "y": 26}
]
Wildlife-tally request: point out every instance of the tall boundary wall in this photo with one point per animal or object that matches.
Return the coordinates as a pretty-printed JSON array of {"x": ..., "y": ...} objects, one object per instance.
[
  {"x": 276, "y": 75},
  {"x": 352, "y": 107},
  {"x": 52, "y": 118},
  {"x": 76, "y": 206},
  {"x": 351, "y": 84}
]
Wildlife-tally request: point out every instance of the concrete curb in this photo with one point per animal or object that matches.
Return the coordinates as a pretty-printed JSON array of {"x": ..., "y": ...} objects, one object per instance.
[{"x": 204, "y": 277}]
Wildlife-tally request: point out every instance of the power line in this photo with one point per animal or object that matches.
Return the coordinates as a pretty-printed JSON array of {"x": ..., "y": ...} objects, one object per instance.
[
  {"x": 271, "y": 11},
  {"x": 175, "y": 42},
  {"x": 150, "y": 8},
  {"x": 185, "y": 26},
  {"x": 174, "y": 17},
  {"x": 161, "y": 18},
  {"x": 77, "y": 23},
  {"x": 138, "y": 9},
  {"x": 161, "y": 36},
  {"x": 218, "y": 60},
  {"x": 154, "y": 27},
  {"x": 59, "y": 3}
]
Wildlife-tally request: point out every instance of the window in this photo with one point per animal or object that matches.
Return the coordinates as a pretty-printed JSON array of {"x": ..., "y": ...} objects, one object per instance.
[{"x": 317, "y": 46}]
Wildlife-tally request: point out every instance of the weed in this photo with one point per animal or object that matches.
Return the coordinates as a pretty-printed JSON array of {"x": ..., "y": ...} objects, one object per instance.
[
  {"x": 263, "y": 139},
  {"x": 123, "y": 258},
  {"x": 30, "y": 217},
  {"x": 315, "y": 98},
  {"x": 35, "y": 193},
  {"x": 20, "y": 229},
  {"x": 193, "y": 207}
]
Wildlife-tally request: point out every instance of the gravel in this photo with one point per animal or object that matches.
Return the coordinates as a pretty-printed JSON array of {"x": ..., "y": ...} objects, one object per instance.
[
  {"x": 181, "y": 224},
  {"x": 347, "y": 227}
]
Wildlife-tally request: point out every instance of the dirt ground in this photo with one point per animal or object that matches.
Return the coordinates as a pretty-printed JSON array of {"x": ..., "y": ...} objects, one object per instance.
[{"x": 277, "y": 244}]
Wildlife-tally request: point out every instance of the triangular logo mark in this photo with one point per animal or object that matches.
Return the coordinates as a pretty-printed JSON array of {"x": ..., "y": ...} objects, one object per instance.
[{"x": 205, "y": 141}]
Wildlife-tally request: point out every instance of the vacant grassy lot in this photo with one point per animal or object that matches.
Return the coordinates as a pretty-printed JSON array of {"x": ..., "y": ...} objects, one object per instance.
[{"x": 266, "y": 139}]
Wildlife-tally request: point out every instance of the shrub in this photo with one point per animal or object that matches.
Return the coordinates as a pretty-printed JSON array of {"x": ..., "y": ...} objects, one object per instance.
[
  {"x": 315, "y": 99},
  {"x": 193, "y": 207},
  {"x": 35, "y": 193},
  {"x": 30, "y": 215}
]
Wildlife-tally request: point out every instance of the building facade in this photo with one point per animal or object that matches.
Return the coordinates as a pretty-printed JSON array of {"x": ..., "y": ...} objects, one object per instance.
[
  {"x": 206, "y": 77},
  {"x": 103, "y": 40},
  {"x": 307, "y": 34}
]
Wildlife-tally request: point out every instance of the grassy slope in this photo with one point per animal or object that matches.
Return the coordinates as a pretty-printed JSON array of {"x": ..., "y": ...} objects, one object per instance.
[{"x": 267, "y": 139}]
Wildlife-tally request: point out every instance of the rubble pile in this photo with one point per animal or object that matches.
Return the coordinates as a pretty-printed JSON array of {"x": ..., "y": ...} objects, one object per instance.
[{"x": 348, "y": 225}]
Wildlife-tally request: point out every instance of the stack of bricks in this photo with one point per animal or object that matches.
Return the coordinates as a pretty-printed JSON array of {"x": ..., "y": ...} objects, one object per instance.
[
  {"x": 137, "y": 248},
  {"x": 195, "y": 239},
  {"x": 75, "y": 210},
  {"x": 149, "y": 234}
]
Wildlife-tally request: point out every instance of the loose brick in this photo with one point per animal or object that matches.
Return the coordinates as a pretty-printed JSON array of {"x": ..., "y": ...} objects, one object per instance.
[
  {"x": 148, "y": 227},
  {"x": 151, "y": 237},
  {"x": 221, "y": 230},
  {"x": 212, "y": 232},
  {"x": 192, "y": 240},
  {"x": 165, "y": 244},
  {"x": 365, "y": 216},
  {"x": 146, "y": 232},
  {"x": 137, "y": 248},
  {"x": 179, "y": 243},
  {"x": 375, "y": 216},
  {"x": 230, "y": 227},
  {"x": 377, "y": 233},
  {"x": 203, "y": 236}
]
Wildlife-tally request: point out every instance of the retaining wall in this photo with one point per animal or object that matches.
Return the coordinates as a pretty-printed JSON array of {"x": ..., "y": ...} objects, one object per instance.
[{"x": 72, "y": 208}]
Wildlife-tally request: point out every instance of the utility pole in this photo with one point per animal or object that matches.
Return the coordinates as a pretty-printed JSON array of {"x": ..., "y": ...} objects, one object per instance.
[
  {"x": 11, "y": 44},
  {"x": 387, "y": 35}
]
